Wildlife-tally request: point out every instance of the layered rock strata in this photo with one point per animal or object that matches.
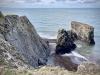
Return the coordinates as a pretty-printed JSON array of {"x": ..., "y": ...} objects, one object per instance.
[
  {"x": 78, "y": 31},
  {"x": 22, "y": 35},
  {"x": 64, "y": 43},
  {"x": 83, "y": 32},
  {"x": 9, "y": 56}
]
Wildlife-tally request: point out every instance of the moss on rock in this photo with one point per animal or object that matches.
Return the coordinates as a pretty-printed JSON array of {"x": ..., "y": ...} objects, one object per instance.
[{"x": 1, "y": 17}]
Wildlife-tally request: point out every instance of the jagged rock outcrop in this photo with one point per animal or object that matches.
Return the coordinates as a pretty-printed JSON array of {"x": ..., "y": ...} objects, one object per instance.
[
  {"x": 64, "y": 43},
  {"x": 22, "y": 35},
  {"x": 88, "y": 69},
  {"x": 82, "y": 32},
  {"x": 10, "y": 56}
]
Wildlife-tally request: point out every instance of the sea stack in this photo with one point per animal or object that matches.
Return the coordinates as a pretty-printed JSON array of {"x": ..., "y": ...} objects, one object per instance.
[
  {"x": 83, "y": 32},
  {"x": 64, "y": 43}
]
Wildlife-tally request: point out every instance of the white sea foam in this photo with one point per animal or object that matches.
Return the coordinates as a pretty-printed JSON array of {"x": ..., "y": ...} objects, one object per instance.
[
  {"x": 74, "y": 54},
  {"x": 52, "y": 47},
  {"x": 78, "y": 45},
  {"x": 75, "y": 57},
  {"x": 78, "y": 55},
  {"x": 47, "y": 36}
]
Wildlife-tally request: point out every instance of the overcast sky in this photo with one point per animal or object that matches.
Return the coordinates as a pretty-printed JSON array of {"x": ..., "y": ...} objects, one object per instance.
[{"x": 51, "y": 3}]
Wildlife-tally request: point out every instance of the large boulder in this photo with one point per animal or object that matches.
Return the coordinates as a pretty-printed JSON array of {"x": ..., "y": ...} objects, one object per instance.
[
  {"x": 83, "y": 32},
  {"x": 22, "y": 35},
  {"x": 64, "y": 43}
]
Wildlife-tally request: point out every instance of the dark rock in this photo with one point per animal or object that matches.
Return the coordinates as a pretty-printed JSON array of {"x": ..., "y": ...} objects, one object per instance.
[
  {"x": 22, "y": 35},
  {"x": 82, "y": 32},
  {"x": 64, "y": 43}
]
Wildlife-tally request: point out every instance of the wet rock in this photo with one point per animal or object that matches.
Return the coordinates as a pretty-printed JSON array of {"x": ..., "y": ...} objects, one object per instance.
[
  {"x": 22, "y": 35},
  {"x": 82, "y": 32},
  {"x": 64, "y": 43},
  {"x": 65, "y": 62}
]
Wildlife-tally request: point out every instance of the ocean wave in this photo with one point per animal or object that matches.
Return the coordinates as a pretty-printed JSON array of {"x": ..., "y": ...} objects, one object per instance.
[
  {"x": 75, "y": 57},
  {"x": 43, "y": 35},
  {"x": 78, "y": 45}
]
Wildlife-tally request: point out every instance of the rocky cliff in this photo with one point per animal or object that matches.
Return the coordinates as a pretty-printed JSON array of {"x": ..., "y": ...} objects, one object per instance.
[
  {"x": 83, "y": 32},
  {"x": 9, "y": 56},
  {"x": 64, "y": 43},
  {"x": 21, "y": 34}
]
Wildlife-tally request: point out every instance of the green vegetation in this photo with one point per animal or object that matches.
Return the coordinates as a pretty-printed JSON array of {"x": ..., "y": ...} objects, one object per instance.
[
  {"x": 52, "y": 71},
  {"x": 46, "y": 71},
  {"x": 42, "y": 71},
  {"x": 2, "y": 61},
  {"x": 10, "y": 71},
  {"x": 1, "y": 20}
]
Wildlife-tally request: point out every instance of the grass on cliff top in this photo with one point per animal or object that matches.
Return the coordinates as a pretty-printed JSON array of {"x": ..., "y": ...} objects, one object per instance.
[
  {"x": 7, "y": 70},
  {"x": 12, "y": 71},
  {"x": 83, "y": 69},
  {"x": 41, "y": 71},
  {"x": 2, "y": 61}
]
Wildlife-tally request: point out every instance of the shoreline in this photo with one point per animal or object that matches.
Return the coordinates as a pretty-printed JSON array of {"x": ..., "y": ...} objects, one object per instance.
[
  {"x": 52, "y": 47},
  {"x": 49, "y": 40}
]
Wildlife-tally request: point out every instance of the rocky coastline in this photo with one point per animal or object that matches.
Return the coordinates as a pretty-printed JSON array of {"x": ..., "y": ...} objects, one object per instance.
[
  {"x": 22, "y": 47},
  {"x": 21, "y": 34}
]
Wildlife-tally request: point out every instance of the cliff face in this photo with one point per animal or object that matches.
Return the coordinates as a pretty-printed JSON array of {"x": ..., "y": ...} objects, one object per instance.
[
  {"x": 82, "y": 32},
  {"x": 23, "y": 36},
  {"x": 9, "y": 56}
]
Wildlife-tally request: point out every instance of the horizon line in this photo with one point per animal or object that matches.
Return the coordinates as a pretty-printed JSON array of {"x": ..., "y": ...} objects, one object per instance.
[{"x": 53, "y": 7}]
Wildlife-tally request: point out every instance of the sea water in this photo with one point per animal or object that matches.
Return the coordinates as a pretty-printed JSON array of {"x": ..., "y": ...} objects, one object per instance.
[{"x": 48, "y": 21}]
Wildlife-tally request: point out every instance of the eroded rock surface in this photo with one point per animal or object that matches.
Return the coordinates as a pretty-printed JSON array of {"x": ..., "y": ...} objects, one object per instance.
[
  {"x": 23, "y": 36},
  {"x": 10, "y": 56},
  {"x": 88, "y": 69},
  {"x": 64, "y": 43},
  {"x": 83, "y": 32}
]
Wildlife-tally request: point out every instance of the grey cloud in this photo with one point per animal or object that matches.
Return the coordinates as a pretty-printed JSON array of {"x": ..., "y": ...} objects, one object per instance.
[
  {"x": 33, "y": 1},
  {"x": 52, "y": 2},
  {"x": 72, "y": 0},
  {"x": 60, "y": 0},
  {"x": 90, "y": 1}
]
